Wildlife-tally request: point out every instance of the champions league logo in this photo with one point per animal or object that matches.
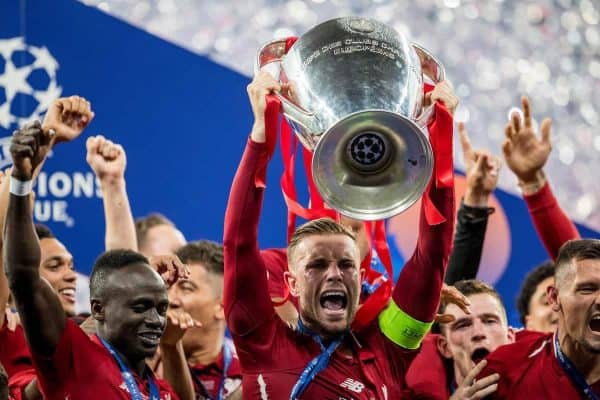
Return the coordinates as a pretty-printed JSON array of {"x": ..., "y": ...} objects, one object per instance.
[{"x": 28, "y": 85}]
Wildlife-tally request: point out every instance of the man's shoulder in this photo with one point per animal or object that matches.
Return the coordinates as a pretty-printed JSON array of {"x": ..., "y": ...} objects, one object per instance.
[
  {"x": 512, "y": 358},
  {"x": 427, "y": 375}
]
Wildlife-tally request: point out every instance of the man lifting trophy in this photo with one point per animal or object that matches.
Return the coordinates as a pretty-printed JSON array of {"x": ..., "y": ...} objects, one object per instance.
[{"x": 352, "y": 90}]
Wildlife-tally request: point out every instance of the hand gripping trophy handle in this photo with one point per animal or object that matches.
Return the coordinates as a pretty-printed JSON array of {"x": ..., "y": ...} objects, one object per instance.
[
  {"x": 432, "y": 69},
  {"x": 269, "y": 59}
]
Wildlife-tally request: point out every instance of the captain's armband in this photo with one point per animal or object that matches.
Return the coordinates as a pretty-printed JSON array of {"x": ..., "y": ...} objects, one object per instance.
[{"x": 401, "y": 328}]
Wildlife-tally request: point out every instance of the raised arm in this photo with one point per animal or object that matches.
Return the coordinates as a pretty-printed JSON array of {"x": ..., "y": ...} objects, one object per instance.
[
  {"x": 526, "y": 156},
  {"x": 245, "y": 308},
  {"x": 417, "y": 293},
  {"x": 41, "y": 312},
  {"x": 4, "y": 291},
  {"x": 68, "y": 117},
  {"x": 481, "y": 169},
  {"x": 108, "y": 161}
]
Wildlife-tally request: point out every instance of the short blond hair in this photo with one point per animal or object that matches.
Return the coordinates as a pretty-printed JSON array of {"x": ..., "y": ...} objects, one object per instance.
[{"x": 321, "y": 226}]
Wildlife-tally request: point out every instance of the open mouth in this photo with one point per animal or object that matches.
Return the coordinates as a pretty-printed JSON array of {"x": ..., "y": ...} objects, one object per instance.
[
  {"x": 479, "y": 354},
  {"x": 334, "y": 300},
  {"x": 68, "y": 294},
  {"x": 595, "y": 324},
  {"x": 150, "y": 338}
]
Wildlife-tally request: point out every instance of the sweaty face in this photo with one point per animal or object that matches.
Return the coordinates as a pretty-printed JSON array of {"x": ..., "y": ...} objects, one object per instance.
[
  {"x": 579, "y": 304},
  {"x": 134, "y": 311},
  {"x": 473, "y": 336},
  {"x": 541, "y": 317},
  {"x": 199, "y": 297},
  {"x": 57, "y": 268},
  {"x": 161, "y": 240},
  {"x": 325, "y": 274}
]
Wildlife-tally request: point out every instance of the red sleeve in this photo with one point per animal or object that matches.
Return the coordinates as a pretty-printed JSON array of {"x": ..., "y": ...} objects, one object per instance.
[
  {"x": 419, "y": 285},
  {"x": 19, "y": 381},
  {"x": 14, "y": 353},
  {"x": 551, "y": 223},
  {"x": 54, "y": 372},
  {"x": 246, "y": 295}
]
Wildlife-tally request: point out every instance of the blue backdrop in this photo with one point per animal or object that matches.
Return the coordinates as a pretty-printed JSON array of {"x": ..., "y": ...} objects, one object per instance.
[{"x": 182, "y": 119}]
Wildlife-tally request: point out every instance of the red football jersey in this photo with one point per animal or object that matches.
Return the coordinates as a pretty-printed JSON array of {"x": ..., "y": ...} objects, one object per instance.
[
  {"x": 529, "y": 370},
  {"x": 82, "y": 368},
  {"x": 210, "y": 376},
  {"x": 274, "y": 363},
  {"x": 430, "y": 373},
  {"x": 19, "y": 381},
  {"x": 14, "y": 353}
]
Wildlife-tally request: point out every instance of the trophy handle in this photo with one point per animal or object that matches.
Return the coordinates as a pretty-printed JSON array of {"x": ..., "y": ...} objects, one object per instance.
[
  {"x": 432, "y": 69},
  {"x": 269, "y": 58}
]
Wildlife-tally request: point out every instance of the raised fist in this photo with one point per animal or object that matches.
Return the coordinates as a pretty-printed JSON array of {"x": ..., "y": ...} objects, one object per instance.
[
  {"x": 68, "y": 116},
  {"x": 28, "y": 148},
  {"x": 107, "y": 159}
]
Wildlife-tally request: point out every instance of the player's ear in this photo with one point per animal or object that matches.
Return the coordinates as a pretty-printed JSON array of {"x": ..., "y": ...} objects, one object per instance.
[{"x": 97, "y": 309}]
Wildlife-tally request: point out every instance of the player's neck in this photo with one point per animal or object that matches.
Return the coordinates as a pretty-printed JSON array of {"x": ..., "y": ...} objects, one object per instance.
[
  {"x": 137, "y": 366},
  {"x": 586, "y": 362},
  {"x": 207, "y": 348}
]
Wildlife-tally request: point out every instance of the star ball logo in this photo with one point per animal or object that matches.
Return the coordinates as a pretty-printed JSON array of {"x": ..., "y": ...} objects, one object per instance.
[{"x": 28, "y": 85}]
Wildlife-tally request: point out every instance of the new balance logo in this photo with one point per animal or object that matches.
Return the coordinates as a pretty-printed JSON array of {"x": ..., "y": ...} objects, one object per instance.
[{"x": 352, "y": 385}]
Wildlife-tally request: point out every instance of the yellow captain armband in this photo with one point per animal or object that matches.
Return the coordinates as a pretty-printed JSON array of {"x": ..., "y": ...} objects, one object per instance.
[{"x": 401, "y": 328}]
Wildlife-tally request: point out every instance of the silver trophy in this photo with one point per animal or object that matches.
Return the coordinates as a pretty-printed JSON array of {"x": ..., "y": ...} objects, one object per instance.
[{"x": 355, "y": 101}]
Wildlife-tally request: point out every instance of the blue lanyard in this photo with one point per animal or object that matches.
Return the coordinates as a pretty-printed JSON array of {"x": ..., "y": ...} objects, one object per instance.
[
  {"x": 130, "y": 382},
  {"x": 317, "y": 364},
  {"x": 227, "y": 358},
  {"x": 571, "y": 370}
]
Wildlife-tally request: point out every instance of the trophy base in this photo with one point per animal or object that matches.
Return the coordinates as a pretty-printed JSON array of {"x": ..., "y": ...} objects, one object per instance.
[{"x": 372, "y": 165}]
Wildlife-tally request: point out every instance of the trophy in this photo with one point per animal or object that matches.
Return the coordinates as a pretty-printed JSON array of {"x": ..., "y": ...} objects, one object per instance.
[{"x": 355, "y": 100}]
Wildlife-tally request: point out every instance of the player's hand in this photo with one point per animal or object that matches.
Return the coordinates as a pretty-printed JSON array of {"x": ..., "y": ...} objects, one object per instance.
[
  {"x": 170, "y": 268},
  {"x": 28, "y": 148},
  {"x": 68, "y": 116},
  {"x": 524, "y": 153},
  {"x": 450, "y": 294},
  {"x": 481, "y": 170},
  {"x": 472, "y": 389},
  {"x": 263, "y": 84},
  {"x": 178, "y": 322},
  {"x": 107, "y": 159},
  {"x": 444, "y": 93}
]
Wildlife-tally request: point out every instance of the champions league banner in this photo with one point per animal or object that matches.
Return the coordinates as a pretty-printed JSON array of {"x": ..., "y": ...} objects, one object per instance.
[{"x": 183, "y": 121}]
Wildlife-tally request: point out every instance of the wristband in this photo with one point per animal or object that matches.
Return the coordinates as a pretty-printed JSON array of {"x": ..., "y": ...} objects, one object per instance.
[{"x": 20, "y": 188}]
